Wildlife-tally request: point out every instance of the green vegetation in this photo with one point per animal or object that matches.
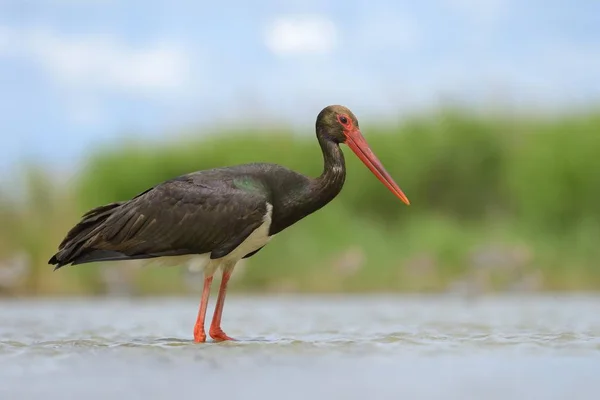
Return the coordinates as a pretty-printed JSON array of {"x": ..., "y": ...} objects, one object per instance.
[{"x": 497, "y": 202}]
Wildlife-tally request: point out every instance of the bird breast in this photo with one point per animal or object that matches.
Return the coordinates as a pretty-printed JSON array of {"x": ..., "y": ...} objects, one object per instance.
[{"x": 257, "y": 239}]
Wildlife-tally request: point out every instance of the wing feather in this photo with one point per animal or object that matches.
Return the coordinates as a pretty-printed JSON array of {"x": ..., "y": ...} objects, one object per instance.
[{"x": 174, "y": 218}]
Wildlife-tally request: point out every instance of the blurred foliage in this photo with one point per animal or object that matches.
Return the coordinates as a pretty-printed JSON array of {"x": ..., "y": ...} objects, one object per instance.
[{"x": 494, "y": 199}]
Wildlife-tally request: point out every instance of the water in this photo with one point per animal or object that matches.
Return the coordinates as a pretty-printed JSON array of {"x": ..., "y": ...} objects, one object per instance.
[{"x": 304, "y": 347}]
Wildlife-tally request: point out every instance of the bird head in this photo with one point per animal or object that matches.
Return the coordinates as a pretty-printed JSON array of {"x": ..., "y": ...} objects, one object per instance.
[{"x": 339, "y": 125}]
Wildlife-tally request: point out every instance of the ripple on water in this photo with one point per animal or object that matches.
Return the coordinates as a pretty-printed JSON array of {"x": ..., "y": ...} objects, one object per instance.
[
  {"x": 149, "y": 342},
  {"x": 404, "y": 341}
]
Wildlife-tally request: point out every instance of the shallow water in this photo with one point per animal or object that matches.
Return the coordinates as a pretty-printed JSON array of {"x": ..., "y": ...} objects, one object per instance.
[{"x": 340, "y": 347}]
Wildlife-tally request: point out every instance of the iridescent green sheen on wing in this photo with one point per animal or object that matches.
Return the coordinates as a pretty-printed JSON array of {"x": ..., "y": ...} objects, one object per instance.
[{"x": 249, "y": 184}]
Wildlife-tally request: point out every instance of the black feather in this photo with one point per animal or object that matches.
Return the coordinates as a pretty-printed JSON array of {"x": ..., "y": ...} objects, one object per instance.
[{"x": 195, "y": 214}]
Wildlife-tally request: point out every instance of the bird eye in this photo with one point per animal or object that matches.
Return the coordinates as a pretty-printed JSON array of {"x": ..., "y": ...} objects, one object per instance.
[{"x": 343, "y": 120}]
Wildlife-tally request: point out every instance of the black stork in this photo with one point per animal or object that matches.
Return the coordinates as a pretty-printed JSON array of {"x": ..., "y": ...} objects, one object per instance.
[{"x": 221, "y": 214}]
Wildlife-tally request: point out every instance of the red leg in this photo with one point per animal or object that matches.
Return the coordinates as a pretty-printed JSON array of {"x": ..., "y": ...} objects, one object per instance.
[
  {"x": 215, "y": 327},
  {"x": 199, "y": 334}
]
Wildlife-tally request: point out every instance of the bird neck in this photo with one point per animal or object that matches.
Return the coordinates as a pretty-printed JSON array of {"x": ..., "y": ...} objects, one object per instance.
[
  {"x": 330, "y": 182},
  {"x": 313, "y": 193}
]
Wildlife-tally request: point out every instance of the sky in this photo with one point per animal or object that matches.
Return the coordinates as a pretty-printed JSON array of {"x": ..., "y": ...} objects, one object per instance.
[{"x": 78, "y": 73}]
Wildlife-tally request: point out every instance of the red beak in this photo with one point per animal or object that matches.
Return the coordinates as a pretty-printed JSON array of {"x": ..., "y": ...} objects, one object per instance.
[{"x": 358, "y": 144}]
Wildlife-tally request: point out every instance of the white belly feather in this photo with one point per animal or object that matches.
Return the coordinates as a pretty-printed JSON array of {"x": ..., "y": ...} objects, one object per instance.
[
  {"x": 254, "y": 241},
  {"x": 257, "y": 239}
]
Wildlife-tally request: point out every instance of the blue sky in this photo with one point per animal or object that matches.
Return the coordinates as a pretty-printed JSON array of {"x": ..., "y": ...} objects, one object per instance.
[{"x": 74, "y": 74}]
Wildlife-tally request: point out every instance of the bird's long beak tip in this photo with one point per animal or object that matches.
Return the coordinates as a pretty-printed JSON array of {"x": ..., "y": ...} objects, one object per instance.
[
  {"x": 402, "y": 196},
  {"x": 360, "y": 147}
]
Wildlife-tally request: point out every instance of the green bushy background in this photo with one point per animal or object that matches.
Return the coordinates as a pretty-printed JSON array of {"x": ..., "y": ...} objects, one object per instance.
[{"x": 498, "y": 203}]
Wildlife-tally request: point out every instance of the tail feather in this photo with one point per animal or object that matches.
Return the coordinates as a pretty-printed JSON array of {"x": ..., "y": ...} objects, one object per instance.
[
  {"x": 73, "y": 247},
  {"x": 107, "y": 255},
  {"x": 89, "y": 221}
]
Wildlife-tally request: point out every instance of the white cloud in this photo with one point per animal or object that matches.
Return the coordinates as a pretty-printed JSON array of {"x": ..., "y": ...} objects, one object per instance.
[
  {"x": 301, "y": 34},
  {"x": 102, "y": 62}
]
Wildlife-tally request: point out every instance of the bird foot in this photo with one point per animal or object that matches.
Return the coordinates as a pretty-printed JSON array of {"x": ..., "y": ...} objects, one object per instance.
[
  {"x": 199, "y": 335},
  {"x": 218, "y": 335}
]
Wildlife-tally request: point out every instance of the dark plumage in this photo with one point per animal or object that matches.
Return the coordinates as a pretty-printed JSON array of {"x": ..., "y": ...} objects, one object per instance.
[
  {"x": 210, "y": 211},
  {"x": 226, "y": 213}
]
